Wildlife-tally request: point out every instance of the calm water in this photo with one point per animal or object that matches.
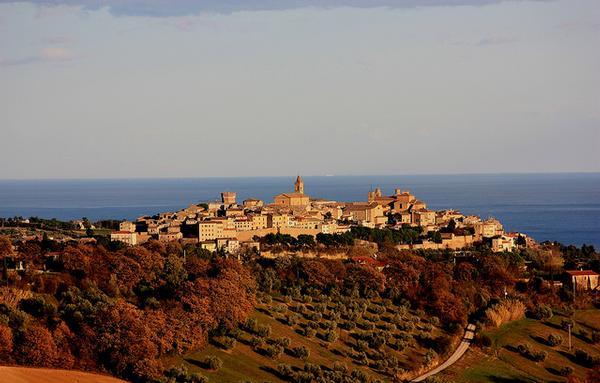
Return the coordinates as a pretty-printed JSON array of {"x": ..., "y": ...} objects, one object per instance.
[{"x": 562, "y": 207}]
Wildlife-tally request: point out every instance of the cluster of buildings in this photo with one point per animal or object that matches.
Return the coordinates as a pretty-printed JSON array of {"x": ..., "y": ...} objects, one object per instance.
[{"x": 230, "y": 226}]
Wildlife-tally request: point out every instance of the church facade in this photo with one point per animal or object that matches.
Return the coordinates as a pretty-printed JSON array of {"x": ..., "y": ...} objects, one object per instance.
[{"x": 297, "y": 198}]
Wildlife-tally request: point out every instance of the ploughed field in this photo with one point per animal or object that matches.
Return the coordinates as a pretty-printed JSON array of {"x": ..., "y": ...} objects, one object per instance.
[
  {"x": 530, "y": 350},
  {"x": 47, "y": 375},
  {"x": 291, "y": 339}
]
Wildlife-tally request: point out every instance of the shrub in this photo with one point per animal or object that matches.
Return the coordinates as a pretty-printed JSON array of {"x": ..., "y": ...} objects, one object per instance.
[
  {"x": 283, "y": 342},
  {"x": 554, "y": 340},
  {"x": 331, "y": 336},
  {"x": 585, "y": 359},
  {"x": 565, "y": 323},
  {"x": 542, "y": 312},
  {"x": 291, "y": 319},
  {"x": 348, "y": 325},
  {"x": 565, "y": 371},
  {"x": 310, "y": 332},
  {"x": 483, "y": 340},
  {"x": 212, "y": 362},
  {"x": 435, "y": 321},
  {"x": 536, "y": 356},
  {"x": 285, "y": 370},
  {"x": 256, "y": 341},
  {"x": 340, "y": 367},
  {"x": 264, "y": 330},
  {"x": 361, "y": 345},
  {"x": 181, "y": 375},
  {"x": 429, "y": 356},
  {"x": 226, "y": 342},
  {"x": 596, "y": 336},
  {"x": 273, "y": 351},
  {"x": 504, "y": 312},
  {"x": 300, "y": 352}
]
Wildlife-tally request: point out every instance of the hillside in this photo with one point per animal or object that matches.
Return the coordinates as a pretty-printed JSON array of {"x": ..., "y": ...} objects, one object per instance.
[
  {"x": 395, "y": 341},
  {"x": 502, "y": 362},
  {"x": 46, "y": 375}
]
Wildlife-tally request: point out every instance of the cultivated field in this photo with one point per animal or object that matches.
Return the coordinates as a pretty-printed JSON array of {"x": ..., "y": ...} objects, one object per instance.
[
  {"x": 46, "y": 375},
  {"x": 288, "y": 337}
]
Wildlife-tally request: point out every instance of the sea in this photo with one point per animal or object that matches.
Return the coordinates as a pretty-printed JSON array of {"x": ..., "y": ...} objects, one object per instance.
[{"x": 563, "y": 207}]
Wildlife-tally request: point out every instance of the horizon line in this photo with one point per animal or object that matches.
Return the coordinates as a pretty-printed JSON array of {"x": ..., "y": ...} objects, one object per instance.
[{"x": 124, "y": 178}]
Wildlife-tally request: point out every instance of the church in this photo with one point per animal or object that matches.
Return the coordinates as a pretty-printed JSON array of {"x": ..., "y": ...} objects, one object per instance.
[{"x": 297, "y": 198}]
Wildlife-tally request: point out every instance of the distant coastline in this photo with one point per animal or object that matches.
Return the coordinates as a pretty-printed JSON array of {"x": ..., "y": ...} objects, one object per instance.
[{"x": 548, "y": 206}]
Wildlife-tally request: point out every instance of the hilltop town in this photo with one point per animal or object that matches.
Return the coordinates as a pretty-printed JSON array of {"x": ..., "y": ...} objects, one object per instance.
[{"x": 230, "y": 226}]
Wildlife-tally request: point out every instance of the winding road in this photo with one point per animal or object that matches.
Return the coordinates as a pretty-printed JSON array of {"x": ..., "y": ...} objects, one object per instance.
[{"x": 460, "y": 350}]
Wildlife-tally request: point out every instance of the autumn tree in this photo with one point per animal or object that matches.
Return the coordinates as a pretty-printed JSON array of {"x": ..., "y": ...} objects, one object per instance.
[{"x": 36, "y": 347}]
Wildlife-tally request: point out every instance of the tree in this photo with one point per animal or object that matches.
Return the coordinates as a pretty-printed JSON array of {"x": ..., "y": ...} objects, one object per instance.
[
  {"x": 6, "y": 250},
  {"x": 124, "y": 341},
  {"x": 36, "y": 347},
  {"x": 6, "y": 343}
]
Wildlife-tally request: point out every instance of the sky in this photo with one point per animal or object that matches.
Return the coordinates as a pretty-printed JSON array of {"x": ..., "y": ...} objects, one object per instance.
[{"x": 182, "y": 88}]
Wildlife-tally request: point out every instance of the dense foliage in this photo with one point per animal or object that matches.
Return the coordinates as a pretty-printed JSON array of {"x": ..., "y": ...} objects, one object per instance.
[{"x": 120, "y": 311}]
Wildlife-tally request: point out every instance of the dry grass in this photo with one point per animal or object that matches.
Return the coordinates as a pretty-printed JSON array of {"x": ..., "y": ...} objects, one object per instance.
[
  {"x": 504, "y": 312},
  {"x": 11, "y": 297}
]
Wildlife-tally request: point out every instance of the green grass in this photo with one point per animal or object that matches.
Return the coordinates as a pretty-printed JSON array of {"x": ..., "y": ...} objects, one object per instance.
[{"x": 501, "y": 362}]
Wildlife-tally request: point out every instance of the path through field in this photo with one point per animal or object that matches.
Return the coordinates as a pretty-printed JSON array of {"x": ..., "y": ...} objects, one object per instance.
[{"x": 460, "y": 350}]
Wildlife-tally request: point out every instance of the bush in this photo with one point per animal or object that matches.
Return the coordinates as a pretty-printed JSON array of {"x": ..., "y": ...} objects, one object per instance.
[
  {"x": 554, "y": 340},
  {"x": 536, "y": 356},
  {"x": 340, "y": 367},
  {"x": 331, "y": 336},
  {"x": 565, "y": 371},
  {"x": 273, "y": 351},
  {"x": 212, "y": 362},
  {"x": 596, "y": 336},
  {"x": 285, "y": 370},
  {"x": 309, "y": 332},
  {"x": 483, "y": 340},
  {"x": 565, "y": 323},
  {"x": 585, "y": 359},
  {"x": 181, "y": 375},
  {"x": 504, "y": 312},
  {"x": 283, "y": 342},
  {"x": 429, "y": 357},
  {"x": 256, "y": 341},
  {"x": 300, "y": 352},
  {"x": 542, "y": 312}
]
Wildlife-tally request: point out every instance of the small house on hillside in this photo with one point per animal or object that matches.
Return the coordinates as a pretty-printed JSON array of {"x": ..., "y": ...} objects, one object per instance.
[{"x": 580, "y": 280}]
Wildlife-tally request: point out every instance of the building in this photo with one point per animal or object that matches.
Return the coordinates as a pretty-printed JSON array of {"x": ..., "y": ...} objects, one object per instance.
[
  {"x": 503, "y": 243},
  {"x": 124, "y": 236},
  {"x": 228, "y": 198},
  {"x": 297, "y": 198},
  {"x": 488, "y": 228},
  {"x": 423, "y": 217},
  {"x": 128, "y": 227},
  {"x": 209, "y": 230},
  {"x": 365, "y": 212},
  {"x": 252, "y": 203},
  {"x": 582, "y": 280}
]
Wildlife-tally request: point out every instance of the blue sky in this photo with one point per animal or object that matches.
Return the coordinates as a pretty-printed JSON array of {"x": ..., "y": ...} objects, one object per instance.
[{"x": 227, "y": 88}]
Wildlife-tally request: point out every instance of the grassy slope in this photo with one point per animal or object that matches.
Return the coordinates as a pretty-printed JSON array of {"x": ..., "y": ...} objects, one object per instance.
[
  {"x": 243, "y": 364},
  {"x": 501, "y": 364}
]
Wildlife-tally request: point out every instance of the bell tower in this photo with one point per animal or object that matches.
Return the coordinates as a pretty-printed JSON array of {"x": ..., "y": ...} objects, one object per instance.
[{"x": 299, "y": 185}]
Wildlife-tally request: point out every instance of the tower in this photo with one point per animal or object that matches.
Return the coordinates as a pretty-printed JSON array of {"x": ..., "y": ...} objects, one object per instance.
[
  {"x": 299, "y": 185},
  {"x": 228, "y": 198}
]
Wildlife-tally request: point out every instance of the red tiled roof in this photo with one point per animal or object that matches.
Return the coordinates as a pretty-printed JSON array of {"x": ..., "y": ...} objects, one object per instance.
[{"x": 581, "y": 272}]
